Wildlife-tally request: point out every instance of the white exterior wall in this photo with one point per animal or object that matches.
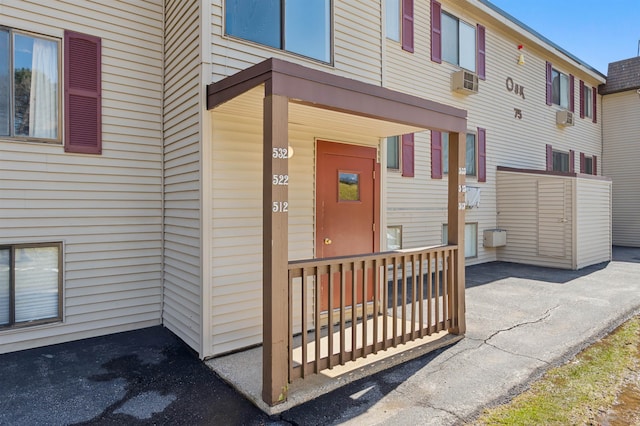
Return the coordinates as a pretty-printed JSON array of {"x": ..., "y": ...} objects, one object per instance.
[
  {"x": 106, "y": 209},
  {"x": 183, "y": 147},
  {"x": 419, "y": 203},
  {"x": 621, "y": 133},
  {"x": 593, "y": 211},
  {"x": 236, "y": 240}
]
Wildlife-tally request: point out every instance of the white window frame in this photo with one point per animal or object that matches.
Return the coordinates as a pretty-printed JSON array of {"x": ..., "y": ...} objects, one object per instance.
[
  {"x": 470, "y": 249},
  {"x": 462, "y": 41},
  {"x": 445, "y": 153},
  {"x": 587, "y": 99},
  {"x": 562, "y": 154},
  {"x": 560, "y": 89},
  {"x": 60, "y": 88},
  {"x": 397, "y": 229},
  {"x": 397, "y": 141},
  {"x": 393, "y": 20},
  {"x": 8, "y": 269}
]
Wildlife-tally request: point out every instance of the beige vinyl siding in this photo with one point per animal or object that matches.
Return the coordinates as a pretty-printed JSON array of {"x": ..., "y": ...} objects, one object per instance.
[
  {"x": 236, "y": 256},
  {"x": 419, "y": 204},
  {"x": 182, "y": 311},
  {"x": 621, "y": 130},
  {"x": 593, "y": 210},
  {"x": 105, "y": 209},
  {"x": 536, "y": 211},
  {"x": 356, "y": 44}
]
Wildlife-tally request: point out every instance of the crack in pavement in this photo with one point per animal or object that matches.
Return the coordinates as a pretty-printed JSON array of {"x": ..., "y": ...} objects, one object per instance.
[
  {"x": 544, "y": 316},
  {"x": 516, "y": 354}
]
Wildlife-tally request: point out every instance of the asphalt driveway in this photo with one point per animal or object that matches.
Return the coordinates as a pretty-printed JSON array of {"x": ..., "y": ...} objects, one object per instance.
[{"x": 521, "y": 321}]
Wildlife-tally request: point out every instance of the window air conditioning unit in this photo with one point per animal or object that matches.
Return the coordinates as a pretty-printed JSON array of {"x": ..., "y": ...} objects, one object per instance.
[
  {"x": 564, "y": 118},
  {"x": 464, "y": 82}
]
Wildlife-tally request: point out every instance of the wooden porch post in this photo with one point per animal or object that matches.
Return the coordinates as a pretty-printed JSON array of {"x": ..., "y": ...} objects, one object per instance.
[
  {"x": 456, "y": 220},
  {"x": 275, "y": 249}
]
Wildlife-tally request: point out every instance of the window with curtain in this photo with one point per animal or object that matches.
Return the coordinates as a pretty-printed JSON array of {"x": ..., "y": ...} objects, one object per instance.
[
  {"x": 30, "y": 86},
  {"x": 30, "y": 284},
  {"x": 298, "y": 26}
]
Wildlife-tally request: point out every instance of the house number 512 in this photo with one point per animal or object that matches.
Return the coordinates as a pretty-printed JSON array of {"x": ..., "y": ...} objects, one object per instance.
[{"x": 280, "y": 206}]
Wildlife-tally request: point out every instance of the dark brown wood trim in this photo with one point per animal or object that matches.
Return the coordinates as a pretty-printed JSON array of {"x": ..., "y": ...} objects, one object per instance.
[
  {"x": 552, "y": 173},
  {"x": 275, "y": 252},
  {"x": 455, "y": 228},
  {"x": 329, "y": 91}
]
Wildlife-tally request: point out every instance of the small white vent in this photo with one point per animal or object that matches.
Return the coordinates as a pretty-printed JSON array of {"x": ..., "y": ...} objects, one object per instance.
[
  {"x": 564, "y": 118},
  {"x": 464, "y": 82}
]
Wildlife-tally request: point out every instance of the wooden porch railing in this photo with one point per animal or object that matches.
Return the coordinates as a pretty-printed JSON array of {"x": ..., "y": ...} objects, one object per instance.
[{"x": 399, "y": 297}]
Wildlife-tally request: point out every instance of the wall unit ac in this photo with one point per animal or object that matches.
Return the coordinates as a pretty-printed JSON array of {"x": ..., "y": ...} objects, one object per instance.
[
  {"x": 564, "y": 118},
  {"x": 464, "y": 82}
]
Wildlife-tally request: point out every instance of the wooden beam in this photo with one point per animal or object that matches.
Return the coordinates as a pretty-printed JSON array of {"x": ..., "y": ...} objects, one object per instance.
[
  {"x": 456, "y": 220},
  {"x": 275, "y": 207}
]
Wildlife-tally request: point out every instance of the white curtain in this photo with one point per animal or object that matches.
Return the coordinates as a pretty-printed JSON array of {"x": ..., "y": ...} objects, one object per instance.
[
  {"x": 43, "y": 101},
  {"x": 4, "y": 286}
]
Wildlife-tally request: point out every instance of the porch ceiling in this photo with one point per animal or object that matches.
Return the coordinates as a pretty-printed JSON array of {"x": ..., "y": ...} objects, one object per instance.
[
  {"x": 317, "y": 98},
  {"x": 321, "y": 121}
]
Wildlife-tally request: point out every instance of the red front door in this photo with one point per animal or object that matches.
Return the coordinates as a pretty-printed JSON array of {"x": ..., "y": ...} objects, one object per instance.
[{"x": 347, "y": 207}]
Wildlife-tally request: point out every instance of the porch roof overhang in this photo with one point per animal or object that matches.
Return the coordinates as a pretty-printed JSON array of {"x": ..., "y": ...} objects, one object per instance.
[{"x": 390, "y": 112}]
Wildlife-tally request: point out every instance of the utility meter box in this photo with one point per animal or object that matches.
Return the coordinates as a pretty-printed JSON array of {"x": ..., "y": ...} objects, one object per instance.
[{"x": 495, "y": 237}]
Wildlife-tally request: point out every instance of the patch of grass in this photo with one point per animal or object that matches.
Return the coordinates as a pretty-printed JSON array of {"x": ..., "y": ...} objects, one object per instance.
[{"x": 575, "y": 392}]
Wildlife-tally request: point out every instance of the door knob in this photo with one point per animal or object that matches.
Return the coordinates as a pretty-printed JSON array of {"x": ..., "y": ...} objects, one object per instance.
[{"x": 327, "y": 241}]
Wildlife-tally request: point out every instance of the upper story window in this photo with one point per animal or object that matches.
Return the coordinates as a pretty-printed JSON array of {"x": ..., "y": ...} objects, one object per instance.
[
  {"x": 588, "y": 165},
  {"x": 458, "y": 42},
  {"x": 560, "y": 88},
  {"x": 29, "y": 86},
  {"x": 298, "y": 26},
  {"x": 392, "y": 19},
  {"x": 587, "y": 102}
]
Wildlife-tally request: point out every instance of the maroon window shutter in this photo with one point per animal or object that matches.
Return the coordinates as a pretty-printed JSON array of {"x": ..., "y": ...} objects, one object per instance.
[
  {"x": 481, "y": 56},
  {"x": 482, "y": 155},
  {"x": 407, "y": 155},
  {"x": 582, "y": 162},
  {"x": 594, "y": 107},
  {"x": 572, "y": 94},
  {"x": 436, "y": 155},
  {"x": 436, "y": 32},
  {"x": 82, "y": 93},
  {"x": 549, "y": 157},
  {"x": 407, "y": 25},
  {"x": 549, "y": 83},
  {"x": 581, "y": 99},
  {"x": 572, "y": 161},
  {"x": 595, "y": 165}
]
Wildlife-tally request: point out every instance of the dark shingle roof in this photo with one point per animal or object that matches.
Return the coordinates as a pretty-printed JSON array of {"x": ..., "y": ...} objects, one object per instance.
[{"x": 621, "y": 76}]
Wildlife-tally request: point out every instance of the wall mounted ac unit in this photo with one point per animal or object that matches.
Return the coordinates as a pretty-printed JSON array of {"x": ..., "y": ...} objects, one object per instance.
[
  {"x": 564, "y": 118},
  {"x": 464, "y": 82}
]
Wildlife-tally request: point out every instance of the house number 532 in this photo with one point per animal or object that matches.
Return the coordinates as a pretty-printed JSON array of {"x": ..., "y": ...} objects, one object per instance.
[{"x": 280, "y": 153}]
